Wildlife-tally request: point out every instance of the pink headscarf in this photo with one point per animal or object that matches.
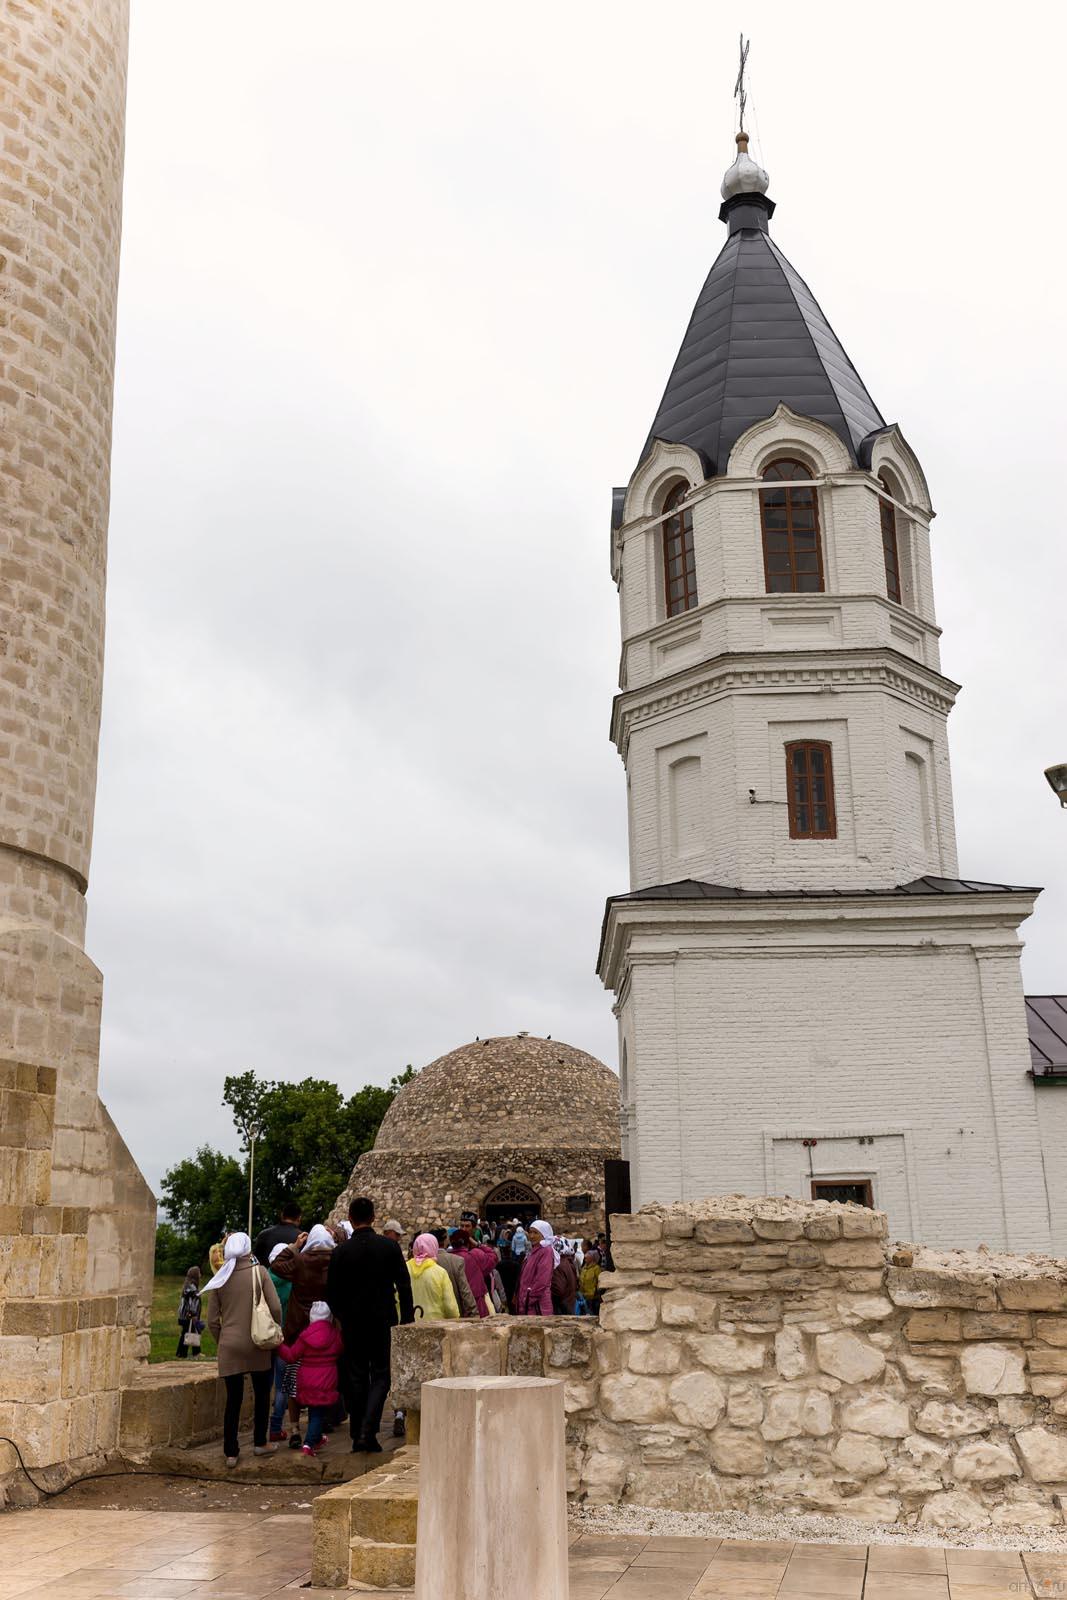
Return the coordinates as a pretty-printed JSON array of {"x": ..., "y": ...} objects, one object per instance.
[{"x": 425, "y": 1247}]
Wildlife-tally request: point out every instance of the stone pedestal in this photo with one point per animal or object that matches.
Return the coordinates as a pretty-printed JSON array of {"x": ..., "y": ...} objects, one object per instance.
[{"x": 492, "y": 1457}]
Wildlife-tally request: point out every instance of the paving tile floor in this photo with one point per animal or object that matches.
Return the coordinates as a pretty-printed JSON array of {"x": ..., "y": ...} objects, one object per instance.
[{"x": 51, "y": 1554}]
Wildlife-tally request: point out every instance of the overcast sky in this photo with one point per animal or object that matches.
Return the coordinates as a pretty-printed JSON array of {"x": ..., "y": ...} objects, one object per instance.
[{"x": 401, "y": 288}]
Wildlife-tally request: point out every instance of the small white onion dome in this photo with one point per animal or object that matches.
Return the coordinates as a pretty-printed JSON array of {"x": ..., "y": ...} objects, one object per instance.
[{"x": 745, "y": 176}]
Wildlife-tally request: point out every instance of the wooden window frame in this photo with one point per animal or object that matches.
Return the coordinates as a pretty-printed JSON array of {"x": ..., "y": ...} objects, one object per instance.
[
  {"x": 680, "y": 590},
  {"x": 797, "y": 470},
  {"x": 809, "y": 802},
  {"x": 890, "y": 548},
  {"x": 866, "y": 1184}
]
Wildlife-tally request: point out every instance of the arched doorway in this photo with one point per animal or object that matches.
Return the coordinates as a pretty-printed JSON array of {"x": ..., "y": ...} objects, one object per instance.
[{"x": 509, "y": 1200}]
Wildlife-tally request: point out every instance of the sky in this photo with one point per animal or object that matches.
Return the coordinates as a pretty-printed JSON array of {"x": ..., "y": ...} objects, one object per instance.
[{"x": 401, "y": 288}]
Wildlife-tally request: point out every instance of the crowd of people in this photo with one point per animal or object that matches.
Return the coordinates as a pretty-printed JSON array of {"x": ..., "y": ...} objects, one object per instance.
[{"x": 307, "y": 1314}]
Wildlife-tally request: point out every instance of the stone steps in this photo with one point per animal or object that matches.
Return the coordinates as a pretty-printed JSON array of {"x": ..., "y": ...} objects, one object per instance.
[
  {"x": 363, "y": 1532},
  {"x": 381, "y": 1566}
]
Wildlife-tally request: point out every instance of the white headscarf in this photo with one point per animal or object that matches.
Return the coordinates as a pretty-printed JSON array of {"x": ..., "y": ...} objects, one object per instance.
[
  {"x": 319, "y": 1235},
  {"x": 546, "y": 1230},
  {"x": 278, "y": 1248},
  {"x": 320, "y": 1311},
  {"x": 237, "y": 1246},
  {"x": 346, "y": 1229}
]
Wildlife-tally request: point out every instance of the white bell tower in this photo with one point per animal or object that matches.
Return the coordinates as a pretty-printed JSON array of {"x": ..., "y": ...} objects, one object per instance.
[{"x": 809, "y": 997}]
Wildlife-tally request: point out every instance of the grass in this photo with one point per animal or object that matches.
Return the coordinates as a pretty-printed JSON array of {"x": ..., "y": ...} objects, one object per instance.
[{"x": 166, "y": 1292}]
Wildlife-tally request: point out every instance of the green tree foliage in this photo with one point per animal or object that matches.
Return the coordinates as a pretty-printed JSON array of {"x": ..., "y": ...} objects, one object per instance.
[
  {"x": 308, "y": 1139},
  {"x": 203, "y": 1195},
  {"x": 176, "y": 1252}
]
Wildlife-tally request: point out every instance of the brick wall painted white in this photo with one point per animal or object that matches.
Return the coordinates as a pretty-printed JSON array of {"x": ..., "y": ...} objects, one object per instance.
[
  {"x": 747, "y": 1032},
  {"x": 1052, "y": 1125},
  {"x": 749, "y": 1027}
]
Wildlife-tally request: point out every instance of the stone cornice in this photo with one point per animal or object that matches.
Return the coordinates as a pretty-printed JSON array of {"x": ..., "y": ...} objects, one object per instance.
[
  {"x": 919, "y": 924},
  {"x": 798, "y": 602},
  {"x": 840, "y": 670}
]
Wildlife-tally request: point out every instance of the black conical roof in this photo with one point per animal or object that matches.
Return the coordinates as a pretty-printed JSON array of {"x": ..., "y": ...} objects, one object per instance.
[{"x": 757, "y": 337}]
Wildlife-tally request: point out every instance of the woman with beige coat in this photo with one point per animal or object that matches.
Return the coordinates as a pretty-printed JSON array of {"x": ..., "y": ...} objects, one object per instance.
[{"x": 230, "y": 1320}]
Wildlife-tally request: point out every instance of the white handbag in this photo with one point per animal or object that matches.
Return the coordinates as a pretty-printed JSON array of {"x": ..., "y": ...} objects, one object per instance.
[{"x": 266, "y": 1334}]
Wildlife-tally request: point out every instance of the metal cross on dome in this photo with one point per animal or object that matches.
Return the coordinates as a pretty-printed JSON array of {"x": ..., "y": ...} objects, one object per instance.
[{"x": 739, "y": 87}]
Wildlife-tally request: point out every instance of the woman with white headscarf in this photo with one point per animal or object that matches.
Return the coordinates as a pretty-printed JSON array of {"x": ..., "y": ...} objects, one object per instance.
[
  {"x": 533, "y": 1297},
  {"x": 304, "y": 1265},
  {"x": 230, "y": 1320}
]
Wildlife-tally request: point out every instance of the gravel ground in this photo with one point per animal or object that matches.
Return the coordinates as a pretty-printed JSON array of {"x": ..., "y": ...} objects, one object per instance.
[{"x": 805, "y": 1530}]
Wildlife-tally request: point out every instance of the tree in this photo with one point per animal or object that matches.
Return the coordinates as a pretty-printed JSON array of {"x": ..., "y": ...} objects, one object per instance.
[
  {"x": 175, "y": 1252},
  {"x": 203, "y": 1196},
  {"x": 309, "y": 1139}
]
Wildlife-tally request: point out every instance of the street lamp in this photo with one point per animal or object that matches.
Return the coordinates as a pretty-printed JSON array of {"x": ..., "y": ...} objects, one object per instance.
[
  {"x": 1057, "y": 778},
  {"x": 251, "y": 1131}
]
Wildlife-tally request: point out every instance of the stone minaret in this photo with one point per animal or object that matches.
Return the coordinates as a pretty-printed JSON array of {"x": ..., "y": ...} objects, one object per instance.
[
  {"x": 807, "y": 993},
  {"x": 76, "y": 1218}
]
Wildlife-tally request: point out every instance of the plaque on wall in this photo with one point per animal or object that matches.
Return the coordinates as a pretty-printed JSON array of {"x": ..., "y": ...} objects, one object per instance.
[{"x": 579, "y": 1202}]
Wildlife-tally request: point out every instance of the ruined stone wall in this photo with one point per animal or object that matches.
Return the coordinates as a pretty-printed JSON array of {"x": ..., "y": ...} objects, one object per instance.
[
  {"x": 762, "y": 1354},
  {"x": 771, "y": 1353}
]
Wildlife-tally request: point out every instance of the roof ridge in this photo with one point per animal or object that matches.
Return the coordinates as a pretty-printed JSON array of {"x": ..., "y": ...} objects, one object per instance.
[
  {"x": 716, "y": 465},
  {"x": 730, "y": 240},
  {"x": 784, "y": 262}
]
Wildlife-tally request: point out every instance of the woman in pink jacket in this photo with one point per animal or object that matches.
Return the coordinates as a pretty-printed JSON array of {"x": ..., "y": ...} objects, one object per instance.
[
  {"x": 534, "y": 1295},
  {"x": 316, "y": 1350}
]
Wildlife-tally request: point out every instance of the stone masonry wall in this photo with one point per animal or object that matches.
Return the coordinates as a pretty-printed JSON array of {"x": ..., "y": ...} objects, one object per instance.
[
  {"x": 76, "y": 1217},
  {"x": 775, "y": 1354},
  {"x": 432, "y": 1190},
  {"x": 778, "y": 1355}
]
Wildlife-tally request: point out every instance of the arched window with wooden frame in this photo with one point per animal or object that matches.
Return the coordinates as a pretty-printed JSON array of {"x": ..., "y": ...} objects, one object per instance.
[
  {"x": 789, "y": 517},
  {"x": 679, "y": 557},
  {"x": 809, "y": 771},
  {"x": 890, "y": 549}
]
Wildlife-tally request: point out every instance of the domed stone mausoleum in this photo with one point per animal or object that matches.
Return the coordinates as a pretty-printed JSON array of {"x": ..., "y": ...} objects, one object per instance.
[{"x": 505, "y": 1127}]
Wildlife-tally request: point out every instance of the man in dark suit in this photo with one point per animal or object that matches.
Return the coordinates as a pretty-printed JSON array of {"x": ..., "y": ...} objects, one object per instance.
[{"x": 367, "y": 1280}]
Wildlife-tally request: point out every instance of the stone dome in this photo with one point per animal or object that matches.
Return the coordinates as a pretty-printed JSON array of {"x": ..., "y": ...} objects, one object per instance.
[{"x": 517, "y": 1092}]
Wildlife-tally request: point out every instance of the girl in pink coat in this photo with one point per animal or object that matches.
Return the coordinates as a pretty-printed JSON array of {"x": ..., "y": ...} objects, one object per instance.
[{"x": 316, "y": 1351}]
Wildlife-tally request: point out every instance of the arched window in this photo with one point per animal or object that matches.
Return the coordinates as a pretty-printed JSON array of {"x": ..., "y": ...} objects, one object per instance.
[
  {"x": 809, "y": 773},
  {"x": 888, "y": 514},
  {"x": 792, "y": 550},
  {"x": 679, "y": 559},
  {"x": 511, "y": 1199}
]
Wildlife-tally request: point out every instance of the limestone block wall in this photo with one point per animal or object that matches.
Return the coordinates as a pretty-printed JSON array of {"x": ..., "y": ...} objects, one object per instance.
[
  {"x": 780, "y": 1355},
  {"x": 76, "y": 1217},
  {"x": 72, "y": 1324},
  {"x": 777, "y": 1354}
]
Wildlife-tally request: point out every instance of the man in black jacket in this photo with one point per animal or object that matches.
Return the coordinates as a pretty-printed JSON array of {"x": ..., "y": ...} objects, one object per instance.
[
  {"x": 285, "y": 1231},
  {"x": 367, "y": 1280}
]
